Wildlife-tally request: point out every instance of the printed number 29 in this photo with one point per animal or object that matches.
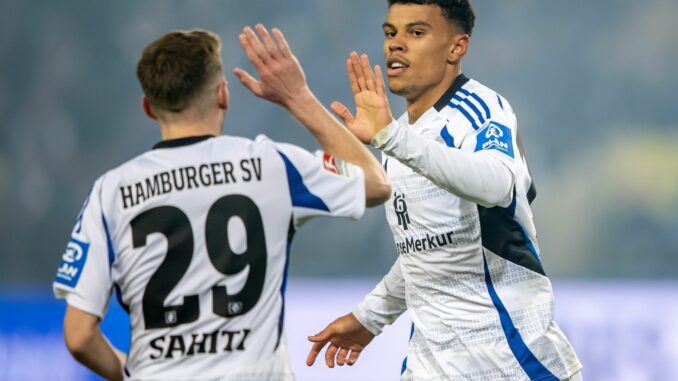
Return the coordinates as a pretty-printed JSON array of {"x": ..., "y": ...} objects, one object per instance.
[{"x": 176, "y": 227}]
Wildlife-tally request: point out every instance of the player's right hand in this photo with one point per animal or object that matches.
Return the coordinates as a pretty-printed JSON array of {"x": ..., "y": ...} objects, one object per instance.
[
  {"x": 373, "y": 112},
  {"x": 347, "y": 338},
  {"x": 281, "y": 78}
]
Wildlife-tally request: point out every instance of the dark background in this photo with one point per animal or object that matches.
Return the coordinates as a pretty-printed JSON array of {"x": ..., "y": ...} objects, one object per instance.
[{"x": 593, "y": 85}]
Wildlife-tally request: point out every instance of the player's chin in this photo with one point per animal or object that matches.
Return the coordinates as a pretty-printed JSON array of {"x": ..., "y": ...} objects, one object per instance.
[{"x": 399, "y": 87}]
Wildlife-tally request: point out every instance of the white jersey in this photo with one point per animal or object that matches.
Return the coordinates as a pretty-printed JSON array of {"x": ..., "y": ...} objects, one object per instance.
[
  {"x": 193, "y": 236},
  {"x": 469, "y": 270}
]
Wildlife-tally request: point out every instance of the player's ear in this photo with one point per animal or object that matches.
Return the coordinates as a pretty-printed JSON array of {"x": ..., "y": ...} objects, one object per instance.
[
  {"x": 222, "y": 95},
  {"x": 458, "y": 48},
  {"x": 148, "y": 110}
]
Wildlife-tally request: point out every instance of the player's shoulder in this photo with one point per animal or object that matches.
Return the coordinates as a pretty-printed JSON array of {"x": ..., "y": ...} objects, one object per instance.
[
  {"x": 285, "y": 150},
  {"x": 222, "y": 143},
  {"x": 264, "y": 143},
  {"x": 487, "y": 97},
  {"x": 288, "y": 152},
  {"x": 115, "y": 173},
  {"x": 475, "y": 102},
  {"x": 157, "y": 157},
  {"x": 229, "y": 145},
  {"x": 232, "y": 142}
]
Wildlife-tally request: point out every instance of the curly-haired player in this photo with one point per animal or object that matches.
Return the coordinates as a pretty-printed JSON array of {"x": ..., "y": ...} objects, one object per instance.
[{"x": 469, "y": 271}]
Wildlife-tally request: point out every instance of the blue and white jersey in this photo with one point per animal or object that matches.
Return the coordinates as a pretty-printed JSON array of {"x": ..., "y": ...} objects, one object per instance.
[
  {"x": 469, "y": 270},
  {"x": 193, "y": 237}
]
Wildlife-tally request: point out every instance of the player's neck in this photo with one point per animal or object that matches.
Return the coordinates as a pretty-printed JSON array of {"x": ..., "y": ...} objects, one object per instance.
[
  {"x": 416, "y": 107},
  {"x": 192, "y": 123},
  {"x": 178, "y": 130}
]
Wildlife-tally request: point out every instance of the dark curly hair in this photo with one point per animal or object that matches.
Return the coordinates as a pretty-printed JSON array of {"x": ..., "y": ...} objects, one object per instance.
[{"x": 458, "y": 12}]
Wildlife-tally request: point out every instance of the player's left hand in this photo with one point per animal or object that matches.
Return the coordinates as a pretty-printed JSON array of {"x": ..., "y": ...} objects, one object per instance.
[
  {"x": 281, "y": 78},
  {"x": 347, "y": 338}
]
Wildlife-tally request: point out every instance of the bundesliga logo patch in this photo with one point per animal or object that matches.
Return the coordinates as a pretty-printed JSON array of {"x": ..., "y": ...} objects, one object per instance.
[
  {"x": 72, "y": 263},
  {"x": 330, "y": 164},
  {"x": 497, "y": 137}
]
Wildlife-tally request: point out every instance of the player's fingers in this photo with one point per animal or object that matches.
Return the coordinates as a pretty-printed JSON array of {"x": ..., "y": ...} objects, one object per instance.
[
  {"x": 358, "y": 70},
  {"x": 341, "y": 356},
  {"x": 248, "y": 81},
  {"x": 271, "y": 47},
  {"x": 352, "y": 78},
  {"x": 249, "y": 51},
  {"x": 282, "y": 43},
  {"x": 330, "y": 353},
  {"x": 256, "y": 45},
  {"x": 379, "y": 77},
  {"x": 313, "y": 353},
  {"x": 342, "y": 112},
  {"x": 367, "y": 71},
  {"x": 353, "y": 357}
]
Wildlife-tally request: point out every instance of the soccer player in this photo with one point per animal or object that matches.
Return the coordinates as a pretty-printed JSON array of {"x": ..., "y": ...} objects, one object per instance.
[
  {"x": 194, "y": 234},
  {"x": 469, "y": 269}
]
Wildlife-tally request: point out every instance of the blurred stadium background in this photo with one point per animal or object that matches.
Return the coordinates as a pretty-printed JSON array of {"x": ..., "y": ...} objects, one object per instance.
[{"x": 593, "y": 85}]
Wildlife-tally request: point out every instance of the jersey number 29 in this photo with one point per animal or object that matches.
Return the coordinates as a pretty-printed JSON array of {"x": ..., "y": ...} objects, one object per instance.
[{"x": 176, "y": 227}]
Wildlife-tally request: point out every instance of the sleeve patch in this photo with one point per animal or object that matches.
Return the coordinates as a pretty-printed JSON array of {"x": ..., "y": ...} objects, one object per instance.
[
  {"x": 72, "y": 263},
  {"x": 330, "y": 164},
  {"x": 335, "y": 165},
  {"x": 495, "y": 136}
]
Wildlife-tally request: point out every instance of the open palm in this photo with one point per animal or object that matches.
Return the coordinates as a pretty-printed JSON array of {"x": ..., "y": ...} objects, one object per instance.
[{"x": 373, "y": 112}]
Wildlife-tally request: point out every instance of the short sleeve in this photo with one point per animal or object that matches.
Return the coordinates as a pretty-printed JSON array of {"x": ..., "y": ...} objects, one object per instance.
[
  {"x": 83, "y": 278},
  {"x": 322, "y": 185}
]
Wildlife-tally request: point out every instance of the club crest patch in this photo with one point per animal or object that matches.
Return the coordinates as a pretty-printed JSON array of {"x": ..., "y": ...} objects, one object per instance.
[
  {"x": 72, "y": 262},
  {"x": 495, "y": 136}
]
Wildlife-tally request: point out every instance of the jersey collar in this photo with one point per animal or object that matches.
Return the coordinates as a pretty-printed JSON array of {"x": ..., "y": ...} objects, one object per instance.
[
  {"x": 172, "y": 143},
  {"x": 456, "y": 85}
]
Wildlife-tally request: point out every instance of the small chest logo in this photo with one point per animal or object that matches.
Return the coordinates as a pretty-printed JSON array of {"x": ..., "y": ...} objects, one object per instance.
[{"x": 401, "y": 210}]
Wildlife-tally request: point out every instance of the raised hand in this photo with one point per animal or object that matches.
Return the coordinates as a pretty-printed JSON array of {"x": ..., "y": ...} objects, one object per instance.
[
  {"x": 373, "y": 112},
  {"x": 347, "y": 338},
  {"x": 281, "y": 78}
]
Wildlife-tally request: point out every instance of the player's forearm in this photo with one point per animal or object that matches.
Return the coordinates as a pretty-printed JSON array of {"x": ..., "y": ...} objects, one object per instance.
[
  {"x": 96, "y": 353},
  {"x": 377, "y": 311},
  {"x": 89, "y": 346},
  {"x": 475, "y": 177},
  {"x": 336, "y": 140},
  {"x": 385, "y": 303}
]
